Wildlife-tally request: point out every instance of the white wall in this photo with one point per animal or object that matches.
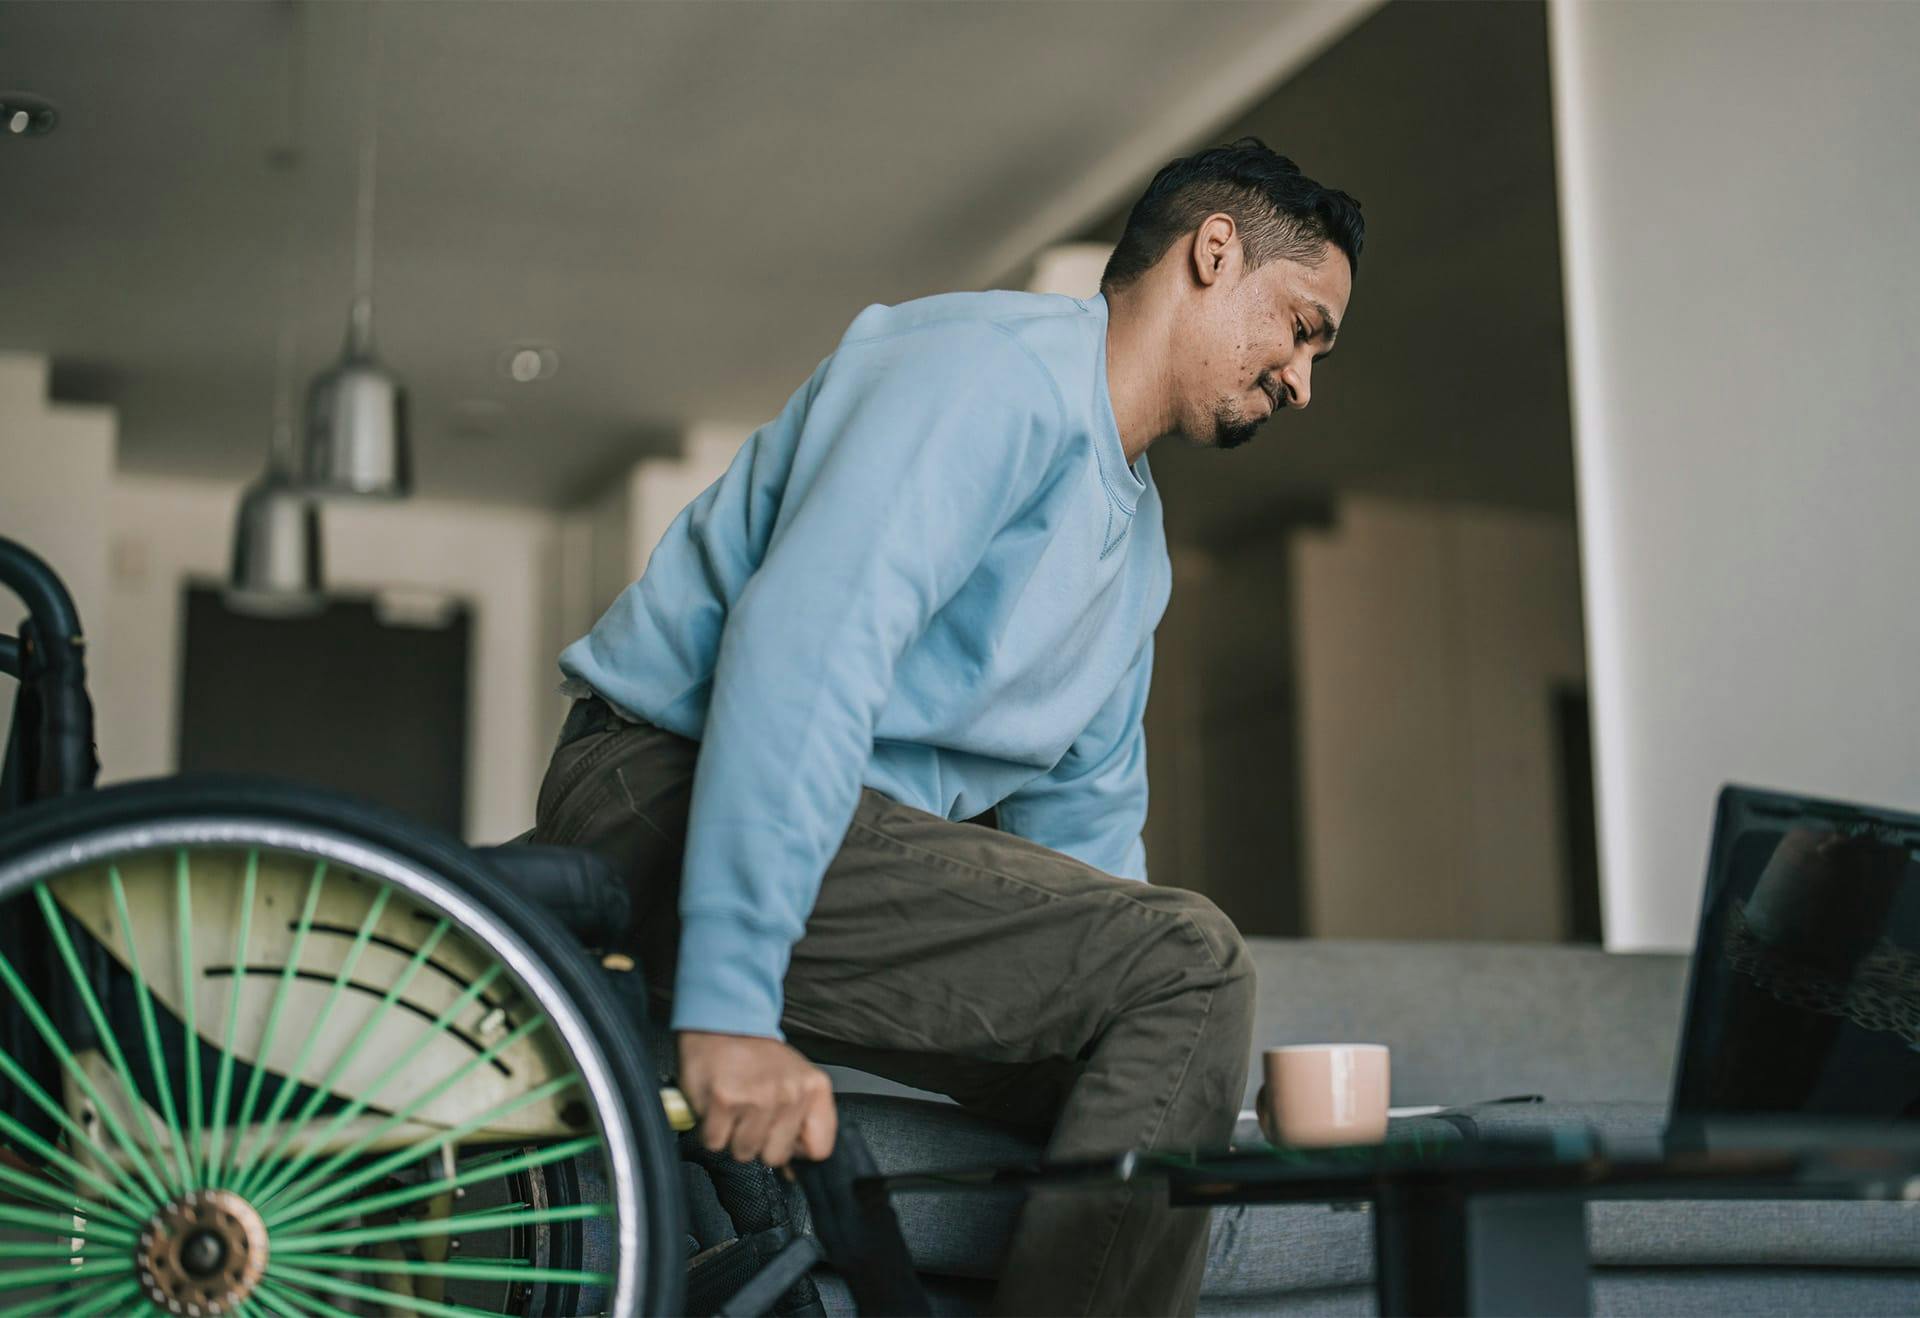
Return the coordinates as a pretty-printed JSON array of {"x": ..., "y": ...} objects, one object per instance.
[
  {"x": 1430, "y": 638},
  {"x": 1739, "y": 191}
]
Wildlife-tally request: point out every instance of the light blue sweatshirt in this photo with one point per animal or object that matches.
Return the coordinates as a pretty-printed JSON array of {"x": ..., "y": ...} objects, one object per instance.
[{"x": 933, "y": 574}]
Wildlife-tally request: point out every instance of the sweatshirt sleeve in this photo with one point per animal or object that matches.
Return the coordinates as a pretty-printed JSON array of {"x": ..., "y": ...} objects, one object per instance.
[
  {"x": 916, "y": 449},
  {"x": 1093, "y": 804}
]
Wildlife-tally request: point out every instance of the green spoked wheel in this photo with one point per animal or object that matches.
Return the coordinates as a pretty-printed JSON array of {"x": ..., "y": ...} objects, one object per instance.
[{"x": 265, "y": 1051}]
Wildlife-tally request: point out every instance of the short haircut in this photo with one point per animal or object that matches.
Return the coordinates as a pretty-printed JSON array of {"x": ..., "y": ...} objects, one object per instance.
[{"x": 1279, "y": 211}]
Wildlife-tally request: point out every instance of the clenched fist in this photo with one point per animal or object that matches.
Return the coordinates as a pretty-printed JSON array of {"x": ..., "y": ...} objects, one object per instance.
[{"x": 757, "y": 1098}]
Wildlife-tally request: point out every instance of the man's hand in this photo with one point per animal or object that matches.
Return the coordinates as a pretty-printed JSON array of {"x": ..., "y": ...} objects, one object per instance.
[{"x": 757, "y": 1097}]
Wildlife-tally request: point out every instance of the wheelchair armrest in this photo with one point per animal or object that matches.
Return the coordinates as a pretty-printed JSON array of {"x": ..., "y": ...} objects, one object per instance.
[{"x": 578, "y": 888}]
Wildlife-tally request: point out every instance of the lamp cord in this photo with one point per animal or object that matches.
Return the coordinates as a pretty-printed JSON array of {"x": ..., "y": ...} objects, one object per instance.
[
  {"x": 369, "y": 147},
  {"x": 281, "y": 454}
]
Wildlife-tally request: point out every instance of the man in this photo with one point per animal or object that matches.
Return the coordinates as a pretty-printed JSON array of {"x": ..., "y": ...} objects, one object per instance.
[{"x": 926, "y": 590}]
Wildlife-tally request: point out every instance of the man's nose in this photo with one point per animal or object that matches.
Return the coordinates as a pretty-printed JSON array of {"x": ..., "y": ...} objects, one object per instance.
[{"x": 1297, "y": 381}]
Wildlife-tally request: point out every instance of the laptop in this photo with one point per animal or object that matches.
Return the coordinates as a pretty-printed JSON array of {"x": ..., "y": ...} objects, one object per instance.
[{"x": 1803, "y": 1000}]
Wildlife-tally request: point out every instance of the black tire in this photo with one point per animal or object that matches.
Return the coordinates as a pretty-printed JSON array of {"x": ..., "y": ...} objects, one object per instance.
[{"x": 438, "y": 872}]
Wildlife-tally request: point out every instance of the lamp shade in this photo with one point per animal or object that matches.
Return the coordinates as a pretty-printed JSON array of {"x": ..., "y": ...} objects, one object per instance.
[
  {"x": 276, "y": 552},
  {"x": 356, "y": 423}
]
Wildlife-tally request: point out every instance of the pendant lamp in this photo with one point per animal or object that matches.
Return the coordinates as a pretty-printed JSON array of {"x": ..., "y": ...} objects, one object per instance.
[
  {"x": 276, "y": 551},
  {"x": 356, "y": 436},
  {"x": 275, "y": 572},
  {"x": 356, "y": 439}
]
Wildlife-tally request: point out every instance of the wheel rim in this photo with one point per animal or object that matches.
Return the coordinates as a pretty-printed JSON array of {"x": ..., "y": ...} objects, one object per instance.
[{"x": 396, "y": 1023}]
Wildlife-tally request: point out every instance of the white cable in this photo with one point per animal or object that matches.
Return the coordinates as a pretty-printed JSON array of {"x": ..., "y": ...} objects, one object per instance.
[
  {"x": 281, "y": 451},
  {"x": 369, "y": 146}
]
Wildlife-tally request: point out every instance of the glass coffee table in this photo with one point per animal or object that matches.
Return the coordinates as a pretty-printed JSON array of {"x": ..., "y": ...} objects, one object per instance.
[{"x": 1487, "y": 1223}]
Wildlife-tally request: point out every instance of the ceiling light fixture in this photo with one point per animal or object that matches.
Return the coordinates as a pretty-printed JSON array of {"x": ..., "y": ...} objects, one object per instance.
[
  {"x": 276, "y": 552},
  {"x": 27, "y": 115},
  {"x": 524, "y": 363},
  {"x": 356, "y": 423},
  {"x": 275, "y": 571}
]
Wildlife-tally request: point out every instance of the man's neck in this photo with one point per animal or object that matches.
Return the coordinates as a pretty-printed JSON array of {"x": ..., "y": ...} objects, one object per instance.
[{"x": 1138, "y": 383}]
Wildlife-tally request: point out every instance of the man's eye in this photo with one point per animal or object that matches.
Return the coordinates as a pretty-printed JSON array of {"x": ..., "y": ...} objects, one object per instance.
[{"x": 1299, "y": 330}]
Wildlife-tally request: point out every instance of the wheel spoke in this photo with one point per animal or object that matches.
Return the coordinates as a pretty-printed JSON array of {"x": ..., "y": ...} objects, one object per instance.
[
  {"x": 485, "y": 1220},
  {"x": 424, "y": 1146},
  {"x": 339, "y": 1286},
  {"x": 189, "y": 992},
  {"x": 58, "y": 1046},
  {"x": 62, "y": 1224},
  {"x": 464, "y": 1269},
  {"x": 291, "y": 1079},
  {"x": 493, "y": 1167},
  {"x": 69, "y": 1272},
  {"x": 352, "y": 1051},
  {"x": 115, "y": 1297},
  {"x": 129, "y": 1206},
  {"x": 284, "y": 1178},
  {"x": 150, "y": 1029},
  {"x": 286, "y": 1295},
  {"x": 273, "y": 1303},
  {"x": 57, "y": 926},
  {"x": 237, "y": 1167},
  {"x": 90, "y": 1297},
  {"x": 58, "y": 1196},
  {"x": 236, "y": 985},
  {"x": 45, "y": 1249}
]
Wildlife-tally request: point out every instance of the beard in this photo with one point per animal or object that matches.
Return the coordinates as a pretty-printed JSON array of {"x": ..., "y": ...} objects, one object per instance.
[{"x": 1231, "y": 428}]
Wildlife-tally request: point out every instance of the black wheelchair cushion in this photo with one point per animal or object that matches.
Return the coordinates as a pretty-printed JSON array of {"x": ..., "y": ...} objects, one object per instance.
[{"x": 581, "y": 890}]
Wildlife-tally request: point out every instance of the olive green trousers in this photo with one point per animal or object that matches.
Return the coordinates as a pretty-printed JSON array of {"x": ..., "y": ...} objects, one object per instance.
[{"x": 1104, "y": 1013}]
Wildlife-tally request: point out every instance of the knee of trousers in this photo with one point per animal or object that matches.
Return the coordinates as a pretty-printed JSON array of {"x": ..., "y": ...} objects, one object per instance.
[{"x": 1218, "y": 964}]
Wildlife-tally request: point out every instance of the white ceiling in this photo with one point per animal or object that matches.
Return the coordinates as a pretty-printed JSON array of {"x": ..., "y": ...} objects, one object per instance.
[{"x": 687, "y": 201}]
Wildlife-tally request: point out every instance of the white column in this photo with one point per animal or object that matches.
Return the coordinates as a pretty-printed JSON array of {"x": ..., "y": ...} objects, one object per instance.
[{"x": 1738, "y": 192}]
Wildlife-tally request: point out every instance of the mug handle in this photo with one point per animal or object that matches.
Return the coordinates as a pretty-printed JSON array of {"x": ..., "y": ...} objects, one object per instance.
[{"x": 1265, "y": 1117}]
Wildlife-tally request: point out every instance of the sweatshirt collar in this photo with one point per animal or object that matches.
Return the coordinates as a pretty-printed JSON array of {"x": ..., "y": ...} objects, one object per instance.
[{"x": 1124, "y": 483}]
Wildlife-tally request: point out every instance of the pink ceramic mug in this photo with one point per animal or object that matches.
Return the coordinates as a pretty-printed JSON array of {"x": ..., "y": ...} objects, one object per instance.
[{"x": 1320, "y": 1094}]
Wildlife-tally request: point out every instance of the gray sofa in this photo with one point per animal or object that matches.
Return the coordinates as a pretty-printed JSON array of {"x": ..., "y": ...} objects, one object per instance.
[{"x": 1593, "y": 1033}]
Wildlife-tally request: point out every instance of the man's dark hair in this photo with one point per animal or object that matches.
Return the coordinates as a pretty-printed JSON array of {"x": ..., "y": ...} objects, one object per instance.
[{"x": 1279, "y": 211}]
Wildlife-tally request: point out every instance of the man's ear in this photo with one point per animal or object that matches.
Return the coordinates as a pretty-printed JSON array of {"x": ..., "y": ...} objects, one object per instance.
[{"x": 1215, "y": 248}]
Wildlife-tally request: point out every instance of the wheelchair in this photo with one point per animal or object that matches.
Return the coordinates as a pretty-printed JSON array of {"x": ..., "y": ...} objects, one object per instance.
[{"x": 272, "y": 1052}]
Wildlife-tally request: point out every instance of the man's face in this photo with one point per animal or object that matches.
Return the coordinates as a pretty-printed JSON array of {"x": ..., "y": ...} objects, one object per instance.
[{"x": 1254, "y": 339}]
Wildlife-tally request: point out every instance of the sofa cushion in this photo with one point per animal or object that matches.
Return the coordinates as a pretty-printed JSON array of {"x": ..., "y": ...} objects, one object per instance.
[
  {"x": 1466, "y": 1021},
  {"x": 1471, "y": 1021},
  {"x": 1273, "y": 1249}
]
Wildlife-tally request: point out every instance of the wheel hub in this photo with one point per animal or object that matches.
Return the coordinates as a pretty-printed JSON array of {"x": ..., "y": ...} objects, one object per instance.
[{"x": 202, "y": 1254}]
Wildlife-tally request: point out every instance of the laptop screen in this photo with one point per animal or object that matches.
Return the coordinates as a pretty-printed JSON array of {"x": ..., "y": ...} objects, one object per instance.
[{"x": 1805, "y": 990}]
